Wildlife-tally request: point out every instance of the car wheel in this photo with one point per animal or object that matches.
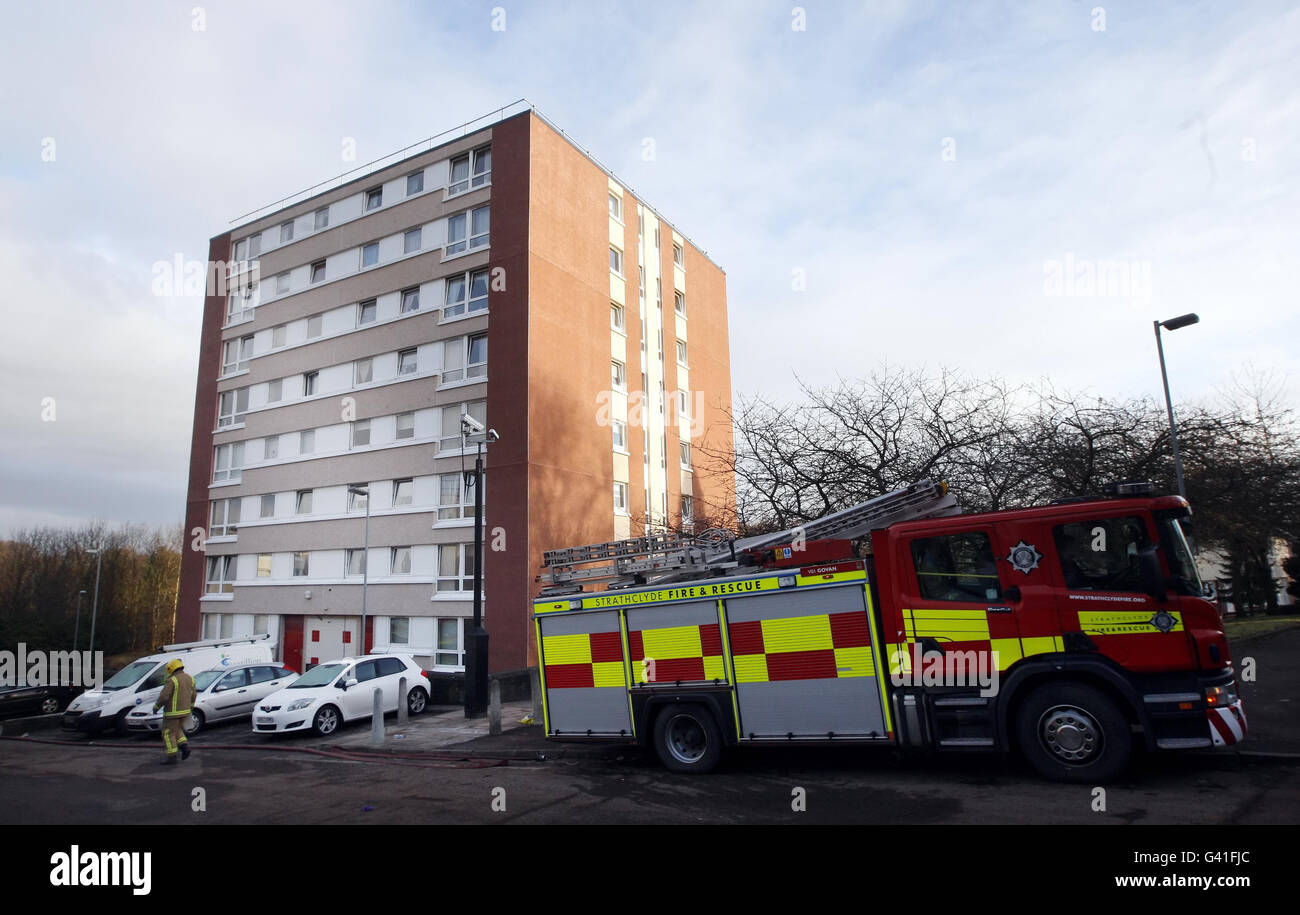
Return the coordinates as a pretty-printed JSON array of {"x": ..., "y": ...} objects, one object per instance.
[
  {"x": 417, "y": 700},
  {"x": 327, "y": 721},
  {"x": 50, "y": 705},
  {"x": 194, "y": 723},
  {"x": 1072, "y": 732},
  {"x": 687, "y": 739}
]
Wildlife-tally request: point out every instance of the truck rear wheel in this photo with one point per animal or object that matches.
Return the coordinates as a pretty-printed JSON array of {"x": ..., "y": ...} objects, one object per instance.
[
  {"x": 1072, "y": 732},
  {"x": 687, "y": 739}
]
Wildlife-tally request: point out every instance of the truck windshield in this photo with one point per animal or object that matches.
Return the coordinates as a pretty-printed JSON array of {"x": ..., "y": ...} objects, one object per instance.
[
  {"x": 1179, "y": 554},
  {"x": 130, "y": 674}
]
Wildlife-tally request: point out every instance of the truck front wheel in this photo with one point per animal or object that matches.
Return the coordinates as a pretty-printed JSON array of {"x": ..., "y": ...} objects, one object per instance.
[
  {"x": 687, "y": 739},
  {"x": 1072, "y": 732}
]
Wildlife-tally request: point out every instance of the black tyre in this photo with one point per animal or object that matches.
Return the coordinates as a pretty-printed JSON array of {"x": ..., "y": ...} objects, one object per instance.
[
  {"x": 327, "y": 721},
  {"x": 687, "y": 739},
  {"x": 417, "y": 700},
  {"x": 1072, "y": 732},
  {"x": 194, "y": 723}
]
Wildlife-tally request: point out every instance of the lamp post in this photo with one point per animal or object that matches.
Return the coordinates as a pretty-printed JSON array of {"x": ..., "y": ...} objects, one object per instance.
[
  {"x": 76, "y": 627},
  {"x": 1172, "y": 324},
  {"x": 94, "y": 611},
  {"x": 365, "y": 560},
  {"x": 476, "y": 649}
]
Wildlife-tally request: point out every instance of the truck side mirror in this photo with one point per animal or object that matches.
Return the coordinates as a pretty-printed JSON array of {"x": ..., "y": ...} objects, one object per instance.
[{"x": 1153, "y": 577}]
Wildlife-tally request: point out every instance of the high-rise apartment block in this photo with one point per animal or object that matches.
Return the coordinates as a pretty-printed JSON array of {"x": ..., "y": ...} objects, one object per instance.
[{"x": 503, "y": 273}]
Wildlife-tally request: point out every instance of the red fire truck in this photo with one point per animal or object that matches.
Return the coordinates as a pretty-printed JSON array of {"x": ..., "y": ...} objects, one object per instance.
[{"x": 1066, "y": 632}]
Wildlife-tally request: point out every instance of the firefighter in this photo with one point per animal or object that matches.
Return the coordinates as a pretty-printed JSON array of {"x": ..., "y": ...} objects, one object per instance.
[{"x": 176, "y": 700}]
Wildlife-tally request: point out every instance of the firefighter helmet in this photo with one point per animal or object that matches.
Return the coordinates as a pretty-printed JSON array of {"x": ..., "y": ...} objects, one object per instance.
[{"x": 173, "y": 666}]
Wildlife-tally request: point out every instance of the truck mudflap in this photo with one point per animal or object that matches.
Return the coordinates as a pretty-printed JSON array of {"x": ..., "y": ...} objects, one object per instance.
[{"x": 1227, "y": 724}]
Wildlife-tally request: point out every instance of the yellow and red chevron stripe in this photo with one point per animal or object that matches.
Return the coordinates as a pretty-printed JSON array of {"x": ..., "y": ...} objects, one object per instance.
[
  {"x": 821, "y": 646},
  {"x": 678, "y": 652},
  {"x": 583, "y": 660}
]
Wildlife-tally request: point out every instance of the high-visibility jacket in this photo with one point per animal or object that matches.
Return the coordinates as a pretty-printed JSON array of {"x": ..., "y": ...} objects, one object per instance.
[{"x": 177, "y": 697}]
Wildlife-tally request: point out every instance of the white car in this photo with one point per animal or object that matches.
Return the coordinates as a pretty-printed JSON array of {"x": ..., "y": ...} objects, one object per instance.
[
  {"x": 343, "y": 690},
  {"x": 221, "y": 695}
]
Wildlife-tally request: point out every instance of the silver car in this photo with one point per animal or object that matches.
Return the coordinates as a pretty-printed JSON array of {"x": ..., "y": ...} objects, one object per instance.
[{"x": 221, "y": 694}]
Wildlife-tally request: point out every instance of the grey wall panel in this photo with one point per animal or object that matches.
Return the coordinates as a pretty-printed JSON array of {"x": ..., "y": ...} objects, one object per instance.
[
  {"x": 796, "y": 603},
  {"x": 666, "y": 615},
  {"x": 848, "y": 707},
  {"x": 602, "y": 710},
  {"x": 573, "y": 624}
]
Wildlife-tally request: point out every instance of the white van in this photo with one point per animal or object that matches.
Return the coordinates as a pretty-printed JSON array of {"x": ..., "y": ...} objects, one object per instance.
[{"x": 140, "y": 682}]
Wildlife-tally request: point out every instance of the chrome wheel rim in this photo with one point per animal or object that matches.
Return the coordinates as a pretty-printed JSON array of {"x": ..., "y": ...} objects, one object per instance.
[
  {"x": 416, "y": 702},
  {"x": 50, "y": 706},
  {"x": 686, "y": 739},
  {"x": 327, "y": 722},
  {"x": 1070, "y": 734}
]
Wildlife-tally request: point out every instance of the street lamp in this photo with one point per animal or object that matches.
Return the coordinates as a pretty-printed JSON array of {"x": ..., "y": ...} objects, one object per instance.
[
  {"x": 365, "y": 560},
  {"x": 76, "y": 627},
  {"x": 94, "y": 612},
  {"x": 476, "y": 651},
  {"x": 1172, "y": 324}
]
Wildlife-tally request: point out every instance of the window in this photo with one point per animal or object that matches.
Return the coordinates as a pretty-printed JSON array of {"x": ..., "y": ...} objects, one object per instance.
[
  {"x": 221, "y": 575},
  {"x": 411, "y": 241},
  {"x": 408, "y": 362},
  {"x": 403, "y": 491},
  {"x": 466, "y": 294},
  {"x": 275, "y": 390},
  {"x": 678, "y": 257},
  {"x": 271, "y": 448},
  {"x": 620, "y": 497},
  {"x": 281, "y": 283},
  {"x": 683, "y": 408},
  {"x": 374, "y": 198},
  {"x": 455, "y": 567},
  {"x": 659, "y": 293},
  {"x": 616, "y": 260},
  {"x": 399, "y": 561},
  {"x": 685, "y": 448},
  {"x": 225, "y": 518},
  {"x": 361, "y": 433},
  {"x": 616, "y": 207},
  {"x": 450, "y": 436},
  {"x": 1102, "y": 555},
  {"x": 356, "y": 560},
  {"x": 617, "y": 319},
  {"x": 618, "y": 375},
  {"x": 477, "y": 222},
  {"x": 321, "y": 219},
  {"x": 956, "y": 567},
  {"x": 255, "y": 245},
  {"x": 369, "y": 255},
  {"x": 227, "y": 625},
  {"x": 232, "y": 406},
  {"x": 286, "y": 232},
  {"x": 464, "y": 358},
  {"x": 405, "y": 426},
  {"x": 450, "y": 650},
  {"x": 267, "y": 508},
  {"x": 227, "y": 463},
  {"x": 410, "y": 300},
  {"x": 310, "y": 381},
  {"x": 367, "y": 311},
  {"x": 363, "y": 371},
  {"x": 301, "y": 567},
  {"x": 679, "y": 302},
  {"x": 318, "y": 272},
  {"x": 399, "y": 630},
  {"x": 688, "y": 511},
  {"x": 357, "y": 500},
  {"x": 263, "y": 571},
  {"x": 240, "y": 305},
  {"x": 455, "y": 499},
  {"x": 304, "y": 502},
  {"x": 279, "y": 335},
  {"x": 620, "y": 434},
  {"x": 238, "y": 353},
  {"x": 315, "y": 326},
  {"x": 307, "y": 441},
  {"x": 414, "y": 183},
  {"x": 681, "y": 352},
  {"x": 470, "y": 170}
]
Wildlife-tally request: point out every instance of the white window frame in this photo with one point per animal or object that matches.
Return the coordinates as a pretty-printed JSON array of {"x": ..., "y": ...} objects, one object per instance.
[
  {"x": 410, "y": 431},
  {"x": 360, "y": 430},
  {"x": 312, "y": 276},
  {"x": 282, "y": 283},
  {"x": 363, "y": 371},
  {"x": 679, "y": 255},
  {"x": 679, "y": 302},
  {"x": 409, "y": 366},
  {"x": 463, "y": 579},
  {"x": 461, "y": 349},
  {"x": 417, "y": 177},
  {"x": 396, "y": 555},
  {"x": 307, "y": 441},
  {"x": 220, "y": 575},
  {"x": 469, "y": 303},
  {"x": 411, "y": 488},
  {"x": 233, "y": 453},
  {"x": 356, "y": 500},
  {"x": 410, "y": 295},
  {"x": 682, "y": 354},
  {"x": 228, "y": 407},
  {"x": 478, "y": 171},
  {"x": 271, "y": 448},
  {"x": 620, "y": 498},
  {"x": 286, "y": 232},
  {"x": 469, "y": 237},
  {"x": 367, "y": 247},
  {"x": 392, "y": 632},
  {"x": 615, "y": 206},
  {"x": 617, "y": 317},
  {"x": 279, "y": 336},
  {"x": 303, "y": 501},
  {"x": 477, "y": 409},
  {"x": 348, "y": 557},
  {"x": 261, "y": 505},
  {"x": 684, "y": 453},
  {"x": 456, "y": 510},
  {"x": 220, "y": 522},
  {"x": 305, "y": 566},
  {"x": 310, "y": 383},
  {"x": 615, "y": 261},
  {"x": 373, "y": 306},
  {"x": 320, "y": 326},
  {"x": 317, "y": 223},
  {"x": 620, "y": 434},
  {"x": 418, "y": 234},
  {"x": 373, "y": 199},
  {"x": 618, "y": 375},
  {"x": 258, "y": 574},
  {"x": 459, "y": 651}
]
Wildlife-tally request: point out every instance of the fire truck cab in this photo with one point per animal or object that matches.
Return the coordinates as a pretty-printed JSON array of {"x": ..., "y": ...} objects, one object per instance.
[{"x": 1065, "y": 632}]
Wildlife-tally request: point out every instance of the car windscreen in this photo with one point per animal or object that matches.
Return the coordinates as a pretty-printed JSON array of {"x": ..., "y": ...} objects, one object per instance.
[
  {"x": 321, "y": 675},
  {"x": 204, "y": 680},
  {"x": 130, "y": 674}
]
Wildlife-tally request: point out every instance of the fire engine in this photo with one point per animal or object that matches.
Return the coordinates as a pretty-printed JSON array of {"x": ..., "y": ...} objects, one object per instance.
[{"x": 1070, "y": 633}]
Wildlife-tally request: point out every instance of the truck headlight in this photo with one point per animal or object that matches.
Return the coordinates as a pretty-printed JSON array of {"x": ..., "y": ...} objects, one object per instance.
[{"x": 300, "y": 703}]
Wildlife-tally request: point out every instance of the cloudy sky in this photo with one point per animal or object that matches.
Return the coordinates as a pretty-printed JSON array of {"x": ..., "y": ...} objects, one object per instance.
[{"x": 921, "y": 183}]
